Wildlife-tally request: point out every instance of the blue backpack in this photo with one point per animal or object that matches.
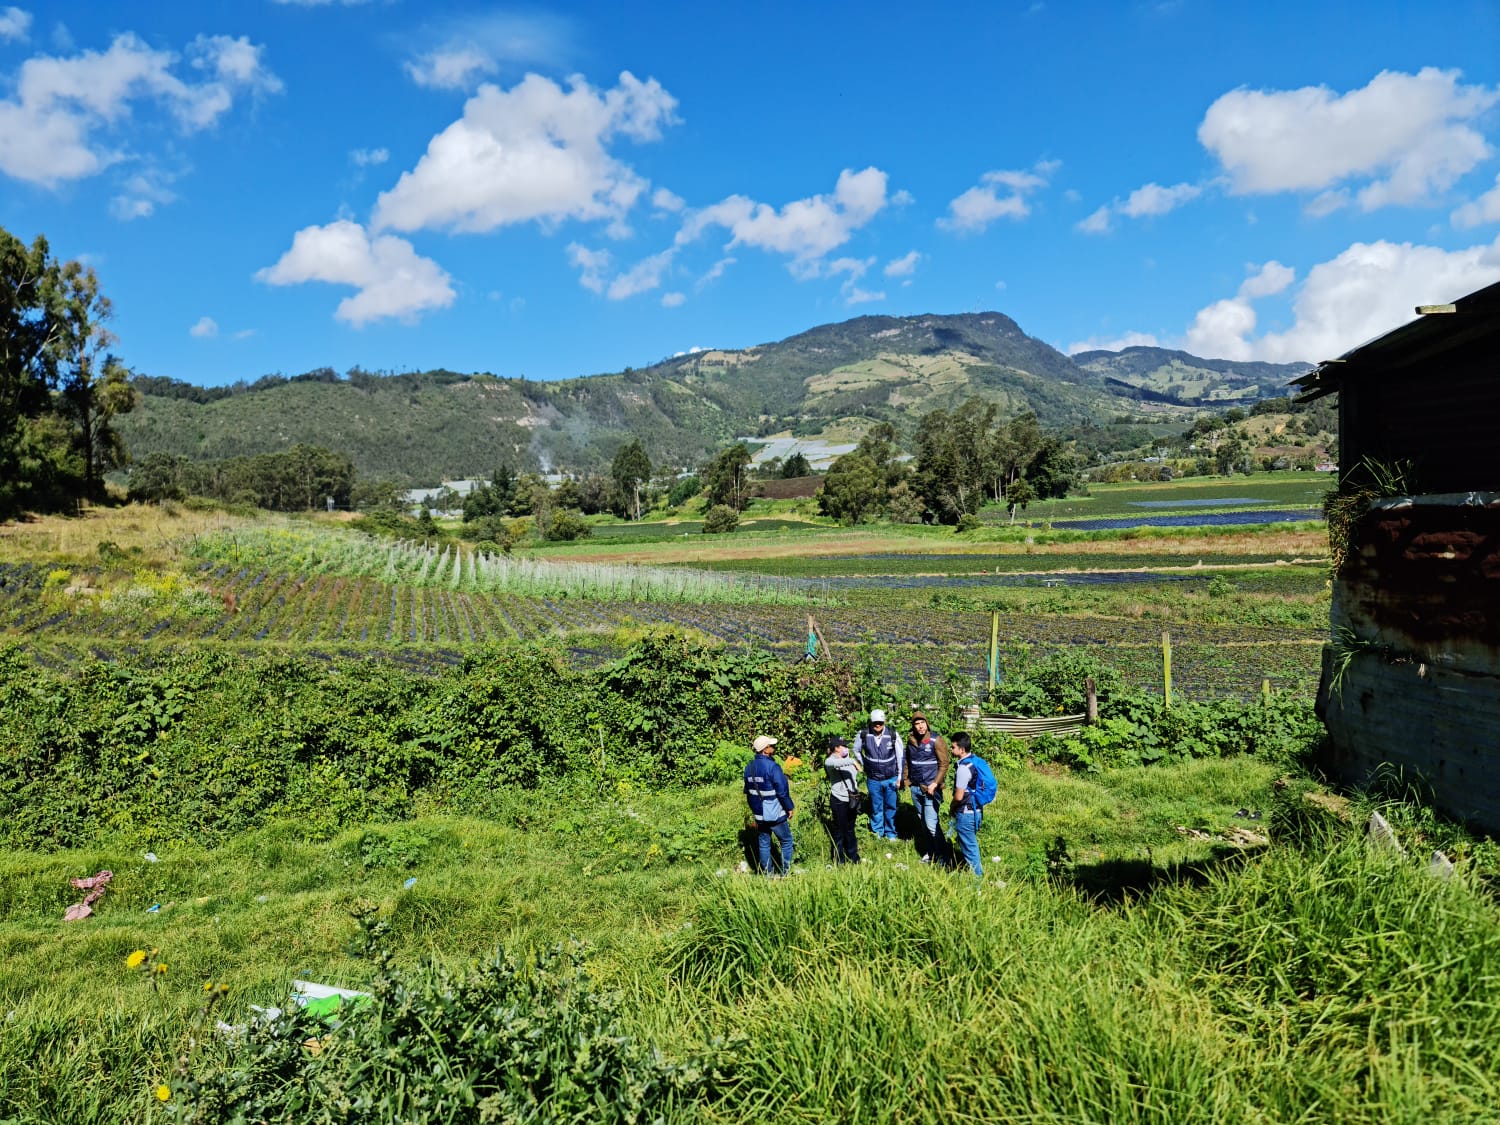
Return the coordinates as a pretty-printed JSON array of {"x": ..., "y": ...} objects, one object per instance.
[{"x": 984, "y": 781}]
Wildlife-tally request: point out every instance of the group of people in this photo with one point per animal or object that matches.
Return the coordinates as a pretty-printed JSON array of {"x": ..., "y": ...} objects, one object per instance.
[{"x": 921, "y": 763}]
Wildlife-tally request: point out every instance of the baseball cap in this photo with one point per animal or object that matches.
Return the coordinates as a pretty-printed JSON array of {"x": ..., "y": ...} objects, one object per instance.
[
  {"x": 763, "y": 741},
  {"x": 836, "y": 741},
  {"x": 877, "y": 716}
]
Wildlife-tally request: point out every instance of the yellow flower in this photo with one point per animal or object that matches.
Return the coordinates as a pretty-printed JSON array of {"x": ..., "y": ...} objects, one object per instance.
[
  {"x": 208, "y": 986},
  {"x": 161, "y": 967},
  {"x": 164, "y": 1093},
  {"x": 135, "y": 959}
]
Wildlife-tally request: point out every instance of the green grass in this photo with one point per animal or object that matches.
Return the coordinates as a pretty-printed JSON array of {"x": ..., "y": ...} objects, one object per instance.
[
  {"x": 1277, "y": 490},
  {"x": 1308, "y": 982}
]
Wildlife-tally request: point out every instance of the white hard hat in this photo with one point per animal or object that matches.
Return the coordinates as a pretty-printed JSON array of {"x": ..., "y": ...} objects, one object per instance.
[{"x": 877, "y": 716}]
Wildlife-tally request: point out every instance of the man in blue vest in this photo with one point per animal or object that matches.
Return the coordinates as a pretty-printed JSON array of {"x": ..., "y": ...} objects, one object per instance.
[
  {"x": 926, "y": 769},
  {"x": 881, "y": 752},
  {"x": 967, "y": 813},
  {"x": 770, "y": 805}
]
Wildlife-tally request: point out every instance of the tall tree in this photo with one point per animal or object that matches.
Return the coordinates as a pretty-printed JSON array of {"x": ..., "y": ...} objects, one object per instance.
[
  {"x": 853, "y": 490},
  {"x": 95, "y": 384},
  {"x": 30, "y": 332},
  {"x": 727, "y": 478},
  {"x": 630, "y": 470}
]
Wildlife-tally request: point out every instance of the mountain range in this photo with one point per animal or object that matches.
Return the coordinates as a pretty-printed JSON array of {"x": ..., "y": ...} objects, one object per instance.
[{"x": 830, "y": 382}]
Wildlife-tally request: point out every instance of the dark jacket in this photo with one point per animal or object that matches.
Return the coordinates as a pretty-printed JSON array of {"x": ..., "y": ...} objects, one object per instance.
[
  {"x": 915, "y": 749},
  {"x": 765, "y": 790},
  {"x": 878, "y": 766}
]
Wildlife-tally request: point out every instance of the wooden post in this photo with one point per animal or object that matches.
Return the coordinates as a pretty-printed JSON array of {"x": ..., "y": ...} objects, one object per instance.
[
  {"x": 994, "y": 650},
  {"x": 1091, "y": 701},
  {"x": 1265, "y": 692},
  {"x": 1166, "y": 667}
]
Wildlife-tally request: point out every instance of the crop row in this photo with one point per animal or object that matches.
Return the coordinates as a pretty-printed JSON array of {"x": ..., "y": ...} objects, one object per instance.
[
  {"x": 316, "y": 552},
  {"x": 333, "y": 612}
]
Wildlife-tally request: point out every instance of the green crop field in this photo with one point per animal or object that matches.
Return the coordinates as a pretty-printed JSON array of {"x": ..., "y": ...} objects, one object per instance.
[{"x": 414, "y": 770}]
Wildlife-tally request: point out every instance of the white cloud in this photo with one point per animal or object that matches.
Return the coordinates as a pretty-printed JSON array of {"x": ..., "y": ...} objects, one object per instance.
[
  {"x": 244, "y": 334},
  {"x": 1095, "y": 223},
  {"x": 47, "y": 127},
  {"x": 1268, "y": 279},
  {"x": 1406, "y": 136},
  {"x": 805, "y": 229},
  {"x": 391, "y": 278},
  {"x": 672, "y": 300},
  {"x": 1129, "y": 340},
  {"x": 369, "y": 157},
  {"x": 1485, "y": 209},
  {"x": 14, "y": 24},
  {"x": 1365, "y": 292},
  {"x": 903, "y": 266},
  {"x": 853, "y": 269},
  {"x": 536, "y": 151},
  {"x": 998, "y": 195},
  {"x": 457, "y": 52},
  {"x": 664, "y": 200},
  {"x": 1153, "y": 199},
  {"x": 642, "y": 277},
  {"x": 206, "y": 328},
  {"x": 1146, "y": 200},
  {"x": 591, "y": 265},
  {"x": 715, "y": 272},
  {"x": 453, "y": 69},
  {"x": 141, "y": 194}
]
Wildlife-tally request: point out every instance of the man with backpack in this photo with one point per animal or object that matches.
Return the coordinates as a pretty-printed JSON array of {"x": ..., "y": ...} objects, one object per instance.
[
  {"x": 882, "y": 753},
  {"x": 770, "y": 805},
  {"x": 973, "y": 788},
  {"x": 926, "y": 769}
]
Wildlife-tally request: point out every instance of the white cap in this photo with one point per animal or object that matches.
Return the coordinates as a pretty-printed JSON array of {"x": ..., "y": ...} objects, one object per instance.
[
  {"x": 763, "y": 742},
  {"x": 877, "y": 716}
]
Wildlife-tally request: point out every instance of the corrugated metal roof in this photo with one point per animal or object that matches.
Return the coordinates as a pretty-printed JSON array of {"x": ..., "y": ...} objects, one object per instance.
[{"x": 1474, "y": 317}]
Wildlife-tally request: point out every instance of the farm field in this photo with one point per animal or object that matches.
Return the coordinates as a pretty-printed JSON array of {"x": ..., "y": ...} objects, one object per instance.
[
  {"x": 305, "y": 729},
  {"x": 1189, "y": 495}
]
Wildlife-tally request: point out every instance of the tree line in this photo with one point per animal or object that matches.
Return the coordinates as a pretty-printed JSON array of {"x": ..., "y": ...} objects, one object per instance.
[
  {"x": 303, "y": 477},
  {"x": 61, "y": 385}
]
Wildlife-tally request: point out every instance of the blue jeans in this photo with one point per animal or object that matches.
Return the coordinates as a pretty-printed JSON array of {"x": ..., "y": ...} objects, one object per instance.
[
  {"x": 930, "y": 839},
  {"x": 884, "y": 798},
  {"x": 967, "y": 823},
  {"x": 782, "y": 830}
]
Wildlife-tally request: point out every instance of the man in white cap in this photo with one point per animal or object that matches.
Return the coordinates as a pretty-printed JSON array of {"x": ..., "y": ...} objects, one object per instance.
[
  {"x": 881, "y": 752},
  {"x": 770, "y": 805}
]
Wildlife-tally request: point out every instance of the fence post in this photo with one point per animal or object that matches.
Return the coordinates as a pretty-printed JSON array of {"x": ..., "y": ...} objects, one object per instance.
[
  {"x": 1265, "y": 692},
  {"x": 1166, "y": 667},
  {"x": 1091, "y": 701},
  {"x": 994, "y": 650}
]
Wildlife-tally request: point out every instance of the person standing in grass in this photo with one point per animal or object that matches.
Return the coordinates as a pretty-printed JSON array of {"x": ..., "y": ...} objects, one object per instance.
[
  {"x": 926, "y": 769},
  {"x": 843, "y": 775},
  {"x": 770, "y": 805},
  {"x": 967, "y": 814},
  {"x": 881, "y": 753}
]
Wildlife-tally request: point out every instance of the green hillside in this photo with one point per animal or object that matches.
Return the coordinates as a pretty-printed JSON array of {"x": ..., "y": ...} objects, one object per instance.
[
  {"x": 836, "y": 378},
  {"x": 1170, "y": 376}
]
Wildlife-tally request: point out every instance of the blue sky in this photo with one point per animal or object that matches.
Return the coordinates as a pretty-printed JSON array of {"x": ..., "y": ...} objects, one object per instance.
[{"x": 275, "y": 186}]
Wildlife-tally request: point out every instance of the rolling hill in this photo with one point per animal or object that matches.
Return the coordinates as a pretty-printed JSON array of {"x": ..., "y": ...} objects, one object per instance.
[
  {"x": 1162, "y": 375},
  {"x": 833, "y": 379}
]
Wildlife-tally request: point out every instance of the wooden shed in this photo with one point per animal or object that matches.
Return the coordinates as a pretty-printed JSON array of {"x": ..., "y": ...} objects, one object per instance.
[{"x": 1411, "y": 676}]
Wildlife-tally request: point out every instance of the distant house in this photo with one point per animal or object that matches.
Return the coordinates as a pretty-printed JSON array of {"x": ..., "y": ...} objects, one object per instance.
[
  {"x": 418, "y": 499},
  {"x": 1411, "y": 678}
]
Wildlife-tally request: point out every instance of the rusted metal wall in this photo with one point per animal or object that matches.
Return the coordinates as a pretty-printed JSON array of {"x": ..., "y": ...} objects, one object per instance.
[{"x": 1412, "y": 679}]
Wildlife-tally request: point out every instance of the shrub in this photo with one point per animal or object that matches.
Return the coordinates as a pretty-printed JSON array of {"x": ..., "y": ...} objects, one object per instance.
[
  {"x": 505, "y": 1042},
  {"x": 719, "y": 519},
  {"x": 567, "y": 525}
]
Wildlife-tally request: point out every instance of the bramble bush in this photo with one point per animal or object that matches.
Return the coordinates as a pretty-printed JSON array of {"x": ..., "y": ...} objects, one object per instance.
[{"x": 503, "y": 1042}]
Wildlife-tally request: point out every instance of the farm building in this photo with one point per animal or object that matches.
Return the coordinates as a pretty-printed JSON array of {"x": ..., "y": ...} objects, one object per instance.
[{"x": 1411, "y": 678}]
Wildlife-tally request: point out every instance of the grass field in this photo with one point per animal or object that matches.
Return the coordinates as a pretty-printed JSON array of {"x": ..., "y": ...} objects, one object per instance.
[{"x": 1137, "y": 952}]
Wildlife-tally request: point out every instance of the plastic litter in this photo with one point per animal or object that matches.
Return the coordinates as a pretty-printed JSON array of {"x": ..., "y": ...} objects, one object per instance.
[
  {"x": 409, "y": 884},
  {"x": 324, "y": 999},
  {"x": 1441, "y": 867},
  {"x": 154, "y": 908},
  {"x": 150, "y": 857},
  {"x": 94, "y": 885},
  {"x": 1382, "y": 835}
]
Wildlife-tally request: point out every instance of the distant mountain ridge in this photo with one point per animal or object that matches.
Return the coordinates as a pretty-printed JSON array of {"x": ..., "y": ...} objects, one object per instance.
[
  {"x": 1164, "y": 375},
  {"x": 834, "y": 379}
]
